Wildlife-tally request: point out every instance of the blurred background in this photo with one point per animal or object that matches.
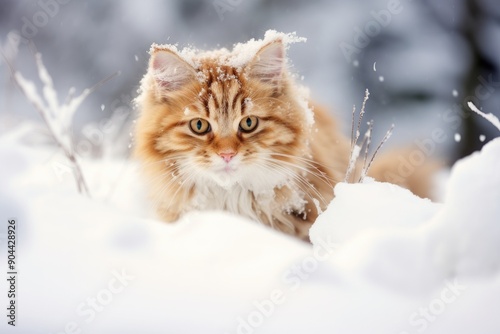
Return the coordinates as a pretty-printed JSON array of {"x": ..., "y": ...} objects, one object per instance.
[{"x": 421, "y": 60}]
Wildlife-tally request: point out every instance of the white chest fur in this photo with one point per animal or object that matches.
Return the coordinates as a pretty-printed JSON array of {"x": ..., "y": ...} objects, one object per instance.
[
  {"x": 235, "y": 199},
  {"x": 240, "y": 200}
]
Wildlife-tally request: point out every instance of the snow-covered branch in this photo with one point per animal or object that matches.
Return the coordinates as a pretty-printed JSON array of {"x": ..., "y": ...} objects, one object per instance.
[
  {"x": 489, "y": 117},
  {"x": 357, "y": 148},
  {"x": 58, "y": 117}
]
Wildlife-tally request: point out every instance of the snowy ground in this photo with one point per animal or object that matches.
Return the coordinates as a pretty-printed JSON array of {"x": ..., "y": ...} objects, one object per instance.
[
  {"x": 383, "y": 260},
  {"x": 396, "y": 263}
]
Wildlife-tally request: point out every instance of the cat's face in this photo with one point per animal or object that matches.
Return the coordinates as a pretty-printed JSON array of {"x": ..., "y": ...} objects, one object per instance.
[{"x": 216, "y": 123}]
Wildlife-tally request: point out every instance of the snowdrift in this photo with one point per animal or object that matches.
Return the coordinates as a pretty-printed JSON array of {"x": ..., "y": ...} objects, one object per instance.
[{"x": 382, "y": 260}]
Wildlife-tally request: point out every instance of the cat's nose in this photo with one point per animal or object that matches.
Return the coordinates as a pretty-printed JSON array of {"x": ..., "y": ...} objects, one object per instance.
[{"x": 227, "y": 156}]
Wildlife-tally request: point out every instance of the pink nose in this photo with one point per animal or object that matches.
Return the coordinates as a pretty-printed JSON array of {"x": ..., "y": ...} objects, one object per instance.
[{"x": 227, "y": 156}]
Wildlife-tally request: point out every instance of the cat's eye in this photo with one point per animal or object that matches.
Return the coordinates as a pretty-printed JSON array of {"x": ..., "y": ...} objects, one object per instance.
[
  {"x": 200, "y": 126},
  {"x": 249, "y": 124}
]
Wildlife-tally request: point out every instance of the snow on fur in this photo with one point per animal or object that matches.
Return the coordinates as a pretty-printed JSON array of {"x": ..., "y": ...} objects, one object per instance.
[
  {"x": 241, "y": 54},
  {"x": 381, "y": 256},
  {"x": 239, "y": 57}
]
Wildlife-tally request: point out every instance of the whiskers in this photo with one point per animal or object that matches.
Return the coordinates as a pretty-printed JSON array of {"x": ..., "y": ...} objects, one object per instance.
[
  {"x": 299, "y": 174},
  {"x": 309, "y": 163},
  {"x": 173, "y": 174},
  {"x": 176, "y": 179}
]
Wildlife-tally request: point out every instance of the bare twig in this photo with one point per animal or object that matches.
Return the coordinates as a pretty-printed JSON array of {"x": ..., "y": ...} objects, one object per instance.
[
  {"x": 352, "y": 126},
  {"x": 361, "y": 114},
  {"x": 489, "y": 117},
  {"x": 352, "y": 162},
  {"x": 368, "y": 138},
  {"x": 58, "y": 118},
  {"x": 382, "y": 142},
  {"x": 355, "y": 149},
  {"x": 366, "y": 143}
]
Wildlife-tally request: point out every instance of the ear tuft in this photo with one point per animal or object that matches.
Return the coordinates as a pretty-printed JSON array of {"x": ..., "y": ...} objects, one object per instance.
[
  {"x": 269, "y": 63},
  {"x": 170, "y": 71}
]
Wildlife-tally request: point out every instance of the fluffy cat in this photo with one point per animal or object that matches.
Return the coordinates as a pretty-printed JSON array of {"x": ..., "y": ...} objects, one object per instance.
[{"x": 230, "y": 130}]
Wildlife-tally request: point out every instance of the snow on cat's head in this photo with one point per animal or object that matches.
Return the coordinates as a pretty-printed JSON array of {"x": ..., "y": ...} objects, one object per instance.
[{"x": 223, "y": 117}]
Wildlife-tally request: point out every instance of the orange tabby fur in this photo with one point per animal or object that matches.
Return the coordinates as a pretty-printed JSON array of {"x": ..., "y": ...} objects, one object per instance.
[{"x": 281, "y": 174}]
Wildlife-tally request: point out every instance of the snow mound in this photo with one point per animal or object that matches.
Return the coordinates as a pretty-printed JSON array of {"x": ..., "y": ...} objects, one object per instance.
[
  {"x": 399, "y": 240},
  {"x": 367, "y": 207},
  {"x": 470, "y": 218}
]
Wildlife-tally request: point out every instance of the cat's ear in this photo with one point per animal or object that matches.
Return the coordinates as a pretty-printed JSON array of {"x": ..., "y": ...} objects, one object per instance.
[
  {"x": 268, "y": 65},
  {"x": 170, "y": 71}
]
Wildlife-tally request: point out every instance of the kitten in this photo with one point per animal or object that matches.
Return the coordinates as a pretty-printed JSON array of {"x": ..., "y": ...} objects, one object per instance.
[{"x": 232, "y": 131}]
